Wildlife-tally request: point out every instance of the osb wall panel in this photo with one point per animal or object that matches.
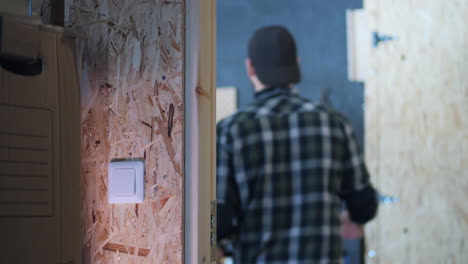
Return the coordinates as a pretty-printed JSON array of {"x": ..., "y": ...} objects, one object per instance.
[
  {"x": 131, "y": 61},
  {"x": 417, "y": 131}
]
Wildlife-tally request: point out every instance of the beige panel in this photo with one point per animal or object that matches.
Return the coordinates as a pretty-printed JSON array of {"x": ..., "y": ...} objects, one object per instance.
[
  {"x": 19, "y": 39},
  {"x": 22, "y": 195},
  {"x": 17, "y": 7},
  {"x": 25, "y": 7},
  {"x": 131, "y": 73},
  {"x": 35, "y": 91},
  {"x": 26, "y": 210},
  {"x": 70, "y": 144},
  {"x": 416, "y": 131},
  {"x": 31, "y": 113},
  {"x": 24, "y": 141},
  {"x": 25, "y": 121},
  {"x": 40, "y": 156},
  {"x": 25, "y": 169},
  {"x": 23, "y": 246},
  {"x": 21, "y": 187},
  {"x": 24, "y": 182}
]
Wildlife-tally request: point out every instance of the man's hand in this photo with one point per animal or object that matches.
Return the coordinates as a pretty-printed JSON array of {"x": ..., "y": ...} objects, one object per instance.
[
  {"x": 349, "y": 229},
  {"x": 219, "y": 255}
]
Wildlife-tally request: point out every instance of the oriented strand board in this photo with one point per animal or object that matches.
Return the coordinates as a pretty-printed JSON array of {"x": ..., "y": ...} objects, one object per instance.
[
  {"x": 417, "y": 131},
  {"x": 131, "y": 61}
]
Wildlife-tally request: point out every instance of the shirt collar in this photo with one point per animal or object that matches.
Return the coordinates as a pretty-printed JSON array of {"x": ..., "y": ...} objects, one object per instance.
[{"x": 273, "y": 91}]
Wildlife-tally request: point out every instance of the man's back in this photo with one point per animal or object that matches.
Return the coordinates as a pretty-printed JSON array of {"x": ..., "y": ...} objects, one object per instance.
[{"x": 284, "y": 164}]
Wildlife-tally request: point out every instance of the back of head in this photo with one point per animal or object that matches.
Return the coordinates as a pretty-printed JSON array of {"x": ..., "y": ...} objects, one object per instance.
[{"x": 272, "y": 51}]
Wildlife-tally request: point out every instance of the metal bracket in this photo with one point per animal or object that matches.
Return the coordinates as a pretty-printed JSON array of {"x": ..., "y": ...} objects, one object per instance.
[
  {"x": 388, "y": 199},
  {"x": 377, "y": 38},
  {"x": 213, "y": 224}
]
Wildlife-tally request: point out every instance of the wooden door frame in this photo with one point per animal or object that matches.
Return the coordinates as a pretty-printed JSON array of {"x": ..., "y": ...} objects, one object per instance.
[{"x": 200, "y": 131}]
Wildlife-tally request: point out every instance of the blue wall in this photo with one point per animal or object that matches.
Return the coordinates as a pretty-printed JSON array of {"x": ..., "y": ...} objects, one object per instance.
[
  {"x": 319, "y": 27},
  {"x": 320, "y": 31}
]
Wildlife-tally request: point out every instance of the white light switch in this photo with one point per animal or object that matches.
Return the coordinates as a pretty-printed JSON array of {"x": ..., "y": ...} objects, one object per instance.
[
  {"x": 123, "y": 182},
  {"x": 126, "y": 182}
]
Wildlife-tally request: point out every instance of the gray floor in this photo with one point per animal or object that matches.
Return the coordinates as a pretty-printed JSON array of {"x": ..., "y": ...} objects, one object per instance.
[{"x": 320, "y": 31}]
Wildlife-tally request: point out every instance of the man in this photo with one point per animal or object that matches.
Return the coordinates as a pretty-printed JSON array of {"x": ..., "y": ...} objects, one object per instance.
[{"x": 284, "y": 166}]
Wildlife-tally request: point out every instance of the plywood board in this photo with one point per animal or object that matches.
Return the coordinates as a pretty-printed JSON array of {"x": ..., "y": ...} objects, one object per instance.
[
  {"x": 200, "y": 240},
  {"x": 131, "y": 61},
  {"x": 416, "y": 131}
]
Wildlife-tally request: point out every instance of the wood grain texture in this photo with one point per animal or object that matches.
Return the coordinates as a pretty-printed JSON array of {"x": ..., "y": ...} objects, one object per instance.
[
  {"x": 200, "y": 134},
  {"x": 126, "y": 249},
  {"x": 131, "y": 62},
  {"x": 416, "y": 131}
]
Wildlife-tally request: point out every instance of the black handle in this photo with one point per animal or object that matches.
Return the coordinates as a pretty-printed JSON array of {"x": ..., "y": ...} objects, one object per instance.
[{"x": 22, "y": 66}]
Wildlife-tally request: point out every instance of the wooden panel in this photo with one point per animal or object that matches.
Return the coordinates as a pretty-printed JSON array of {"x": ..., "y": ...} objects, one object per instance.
[
  {"x": 416, "y": 131},
  {"x": 131, "y": 63},
  {"x": 200, "y": 130}
]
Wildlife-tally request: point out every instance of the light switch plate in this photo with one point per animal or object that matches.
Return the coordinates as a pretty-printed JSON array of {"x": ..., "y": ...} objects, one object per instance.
[{"x": 126, "y": 182}]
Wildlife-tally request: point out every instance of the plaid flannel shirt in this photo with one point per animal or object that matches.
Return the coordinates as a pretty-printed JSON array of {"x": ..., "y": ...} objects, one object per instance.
[{"x": 282, "y": 165}]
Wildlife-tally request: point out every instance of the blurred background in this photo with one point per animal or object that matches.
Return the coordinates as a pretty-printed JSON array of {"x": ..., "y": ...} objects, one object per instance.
[{"x": 319, "y": 28}]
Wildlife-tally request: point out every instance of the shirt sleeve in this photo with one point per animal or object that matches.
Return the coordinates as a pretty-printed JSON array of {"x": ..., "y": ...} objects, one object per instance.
[
  {"x": 228, "y": 207},
  {"x": 356, "y": 190}
]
